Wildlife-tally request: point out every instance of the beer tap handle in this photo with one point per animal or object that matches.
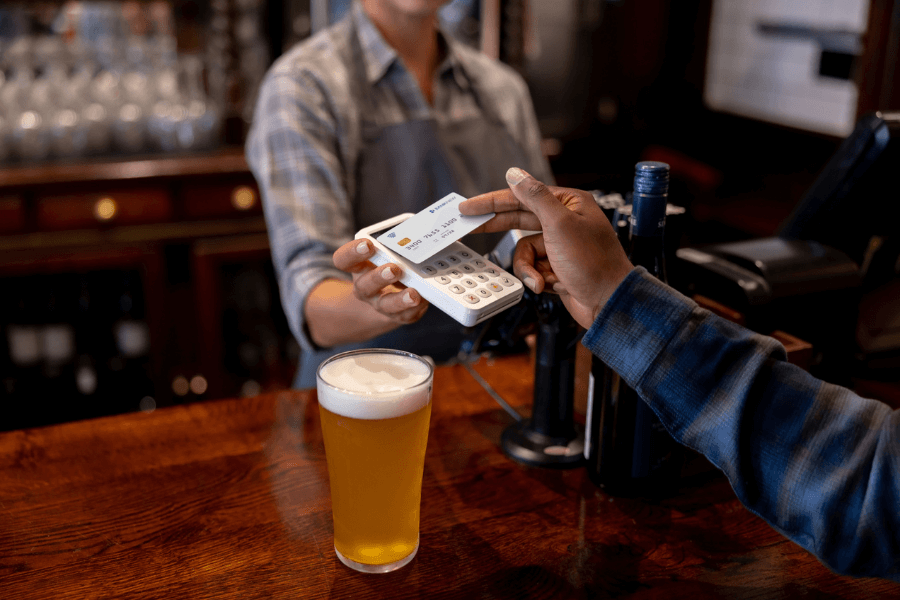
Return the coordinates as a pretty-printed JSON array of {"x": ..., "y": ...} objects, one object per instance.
[{"x": 550, "y": 438}]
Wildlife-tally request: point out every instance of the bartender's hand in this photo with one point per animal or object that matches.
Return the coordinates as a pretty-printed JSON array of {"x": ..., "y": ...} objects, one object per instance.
[
  {"x": 577, "y": 253},
  {"x": 378, "y": 286}
]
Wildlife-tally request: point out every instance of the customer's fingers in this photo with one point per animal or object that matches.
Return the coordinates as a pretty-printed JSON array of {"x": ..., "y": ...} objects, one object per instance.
[
  {"x": 535, "y": 196},
  {"x": 529, "y": 252},
  {"x": 510, "y": 213}
]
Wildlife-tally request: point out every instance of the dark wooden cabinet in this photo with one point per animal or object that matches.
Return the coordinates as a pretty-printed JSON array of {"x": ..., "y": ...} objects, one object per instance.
[
  {"x": 157, "y": 262},
  {"x": 239, "y": 317}
]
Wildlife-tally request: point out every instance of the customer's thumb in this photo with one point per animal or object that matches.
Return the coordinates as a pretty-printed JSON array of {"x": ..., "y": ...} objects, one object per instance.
[{"x": 535, "y": 195}]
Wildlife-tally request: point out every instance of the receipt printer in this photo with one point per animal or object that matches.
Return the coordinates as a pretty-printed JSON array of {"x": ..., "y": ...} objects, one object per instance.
[
  {"x": 764, "y": 277},
  {"x": 801, "y": 287},
  {"x": 810, "y": 279}
]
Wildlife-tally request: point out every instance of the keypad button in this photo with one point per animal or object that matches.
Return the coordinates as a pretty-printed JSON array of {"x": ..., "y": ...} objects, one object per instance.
[
  {"x": 454, "y": 273},
  {"x": 443, "y": 279},
  {"x": 457, "y": 289},
  {"x": 469, "y": 283},
  {"x": 465, "y": 254},
  {"x": 429, "y": 270},
  {"x": 507, "y": 281},
  {"x": 472, "y": 299},
  {"x": 482, "y": 277},
  {"x": 495, "y": 287},
  {"x": 483, "y": 293},
  {"x": 453, "y": 260},
  {"x": 440, "y": 264},
  {"x": 492, "y": 271},
  {"x": 480, "y": 263},
  {"x": 467, "y": 268}
]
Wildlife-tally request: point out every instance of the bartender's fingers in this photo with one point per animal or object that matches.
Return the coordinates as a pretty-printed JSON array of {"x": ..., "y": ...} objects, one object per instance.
[
  {"x": 353, "y": 257},
  {"x": 368, "y": 285},
  {"x": 403, "y": 305}
]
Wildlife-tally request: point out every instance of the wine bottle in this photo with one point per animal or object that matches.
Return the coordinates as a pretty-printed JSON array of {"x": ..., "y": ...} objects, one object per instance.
[
  {"x": 628, "y": 450},
  {"x": 57, "y": 348},
  {"x": 86, "y": 342},
  {"x": 130, "y": 365},
  {"x": 24, "y": 347}
]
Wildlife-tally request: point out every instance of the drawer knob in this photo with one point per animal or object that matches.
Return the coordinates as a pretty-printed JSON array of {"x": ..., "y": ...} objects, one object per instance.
[
  {"x": 243, "y": 198},
  {"x": 105, "y": 209}
]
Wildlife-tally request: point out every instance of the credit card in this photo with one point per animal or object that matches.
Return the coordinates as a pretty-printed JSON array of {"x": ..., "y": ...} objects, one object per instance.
[{"x": 431, "y": 230}]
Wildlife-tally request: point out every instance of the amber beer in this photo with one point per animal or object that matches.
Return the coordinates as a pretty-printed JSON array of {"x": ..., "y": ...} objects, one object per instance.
[{"x": 375, "y": 407}]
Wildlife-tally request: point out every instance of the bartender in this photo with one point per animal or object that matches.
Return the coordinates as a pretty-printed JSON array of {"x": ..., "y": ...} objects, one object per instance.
[{"x": 380, "y": 114}]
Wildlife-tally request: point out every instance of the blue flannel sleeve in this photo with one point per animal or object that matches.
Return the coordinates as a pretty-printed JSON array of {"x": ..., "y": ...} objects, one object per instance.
[
  {"x": 293, "y": 151},
  {"x": 815, "y": 460}
]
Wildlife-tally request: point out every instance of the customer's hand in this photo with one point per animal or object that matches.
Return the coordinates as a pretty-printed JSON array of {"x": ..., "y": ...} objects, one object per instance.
[
  {"x": 379, "y": 286},
  {"x": 577, "y": 253}
]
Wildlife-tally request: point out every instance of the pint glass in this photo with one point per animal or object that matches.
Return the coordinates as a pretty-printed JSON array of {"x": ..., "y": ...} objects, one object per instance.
[{"x": 375, "y": 407}]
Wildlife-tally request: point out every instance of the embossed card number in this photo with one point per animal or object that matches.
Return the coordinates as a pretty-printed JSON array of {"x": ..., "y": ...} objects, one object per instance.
[{"x": 431, "y": 230}]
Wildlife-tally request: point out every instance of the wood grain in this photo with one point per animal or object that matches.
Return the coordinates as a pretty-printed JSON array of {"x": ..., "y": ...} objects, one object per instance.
[
  {"x": 225, "y": 161},
  {"x": 229, "y": 499}
]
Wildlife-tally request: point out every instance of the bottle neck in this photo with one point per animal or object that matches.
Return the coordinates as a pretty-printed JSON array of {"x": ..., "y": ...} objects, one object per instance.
[
  {"x": 649, "y": 252},
  {"x": 648, "y": 226},
  {"x": 648, "y": 214}
]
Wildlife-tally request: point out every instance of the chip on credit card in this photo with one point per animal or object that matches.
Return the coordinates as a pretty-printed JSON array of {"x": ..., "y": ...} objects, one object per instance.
[{"x": 431, "y": 230}]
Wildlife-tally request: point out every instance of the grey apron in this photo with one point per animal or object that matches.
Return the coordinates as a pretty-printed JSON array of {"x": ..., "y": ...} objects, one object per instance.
[{"x": 406, "y": 167}]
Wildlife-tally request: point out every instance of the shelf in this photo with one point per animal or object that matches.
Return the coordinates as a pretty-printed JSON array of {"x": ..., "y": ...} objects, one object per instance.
[
  {"x": 137, "y": 234},
  {"x": 225, "y": 161}
]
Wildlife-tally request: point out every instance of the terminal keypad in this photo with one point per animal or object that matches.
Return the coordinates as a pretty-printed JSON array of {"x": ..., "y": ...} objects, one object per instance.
[{"x": 473, "y": 276}]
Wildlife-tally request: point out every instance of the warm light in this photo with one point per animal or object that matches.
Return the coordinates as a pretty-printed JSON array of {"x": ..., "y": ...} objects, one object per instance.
[
  {"x": 130, "y": 113},
  {"x": 198, "y": 384},
  {"x": 95, "y": 112},
  {"x": 67, "y": 118},
  {"x": 105, "y": 209},
  {"x": 147, "y": 404},
  {"x": 243, "y": 198},
  {"x": 180, "y": 386},
  {"x": 86, "y": 380},
  {"x": 196, "y": 109},
  {"x": 250, "y": 388},
  {"x": 29, "y": 120}
]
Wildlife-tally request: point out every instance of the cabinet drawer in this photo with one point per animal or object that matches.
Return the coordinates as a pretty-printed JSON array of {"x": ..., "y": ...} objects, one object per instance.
[
  {"x": 210, "y": 200},
  {"x": 120, "y": 207},
  {"x": 12, "y": 214}
]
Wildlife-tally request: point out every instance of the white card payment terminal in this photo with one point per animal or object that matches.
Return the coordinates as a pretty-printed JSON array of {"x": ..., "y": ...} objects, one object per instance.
[{"x": 457, "y": 280}]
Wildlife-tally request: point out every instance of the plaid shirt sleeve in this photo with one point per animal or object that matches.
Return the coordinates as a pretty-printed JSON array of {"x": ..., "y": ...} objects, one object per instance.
[
  {"x": 818, "y": 462},
  {"x": 295, "y": 156}
]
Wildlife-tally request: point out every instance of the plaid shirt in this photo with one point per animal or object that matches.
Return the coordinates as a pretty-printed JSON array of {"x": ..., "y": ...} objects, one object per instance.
[
  {"x": 307, "y": 136},
  {"x": 819, "y": 463}
]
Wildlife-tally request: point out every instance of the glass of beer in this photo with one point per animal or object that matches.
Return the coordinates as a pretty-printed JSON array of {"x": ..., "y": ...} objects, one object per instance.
[{"x": 375, "y": 407}]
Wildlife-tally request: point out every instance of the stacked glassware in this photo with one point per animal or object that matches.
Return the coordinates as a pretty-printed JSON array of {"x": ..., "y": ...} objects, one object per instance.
[{"x": 100, "y": 78}]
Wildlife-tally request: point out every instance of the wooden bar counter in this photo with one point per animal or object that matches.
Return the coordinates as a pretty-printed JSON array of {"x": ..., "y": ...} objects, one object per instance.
[{"x": 229, "y": 499}]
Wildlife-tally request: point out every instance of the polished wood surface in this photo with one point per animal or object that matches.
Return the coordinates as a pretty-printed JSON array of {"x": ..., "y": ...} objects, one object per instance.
[
  {"x": 225, "y": 161},
  {"x": 229, "y": 499}
]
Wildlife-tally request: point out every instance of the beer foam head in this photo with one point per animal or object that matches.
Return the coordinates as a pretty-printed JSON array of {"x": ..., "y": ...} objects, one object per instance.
[{"x": 374, "y": 385}]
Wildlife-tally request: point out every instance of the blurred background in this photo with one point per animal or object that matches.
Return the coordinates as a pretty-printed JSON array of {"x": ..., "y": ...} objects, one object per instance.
[{"x": 134, "y": 264}]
